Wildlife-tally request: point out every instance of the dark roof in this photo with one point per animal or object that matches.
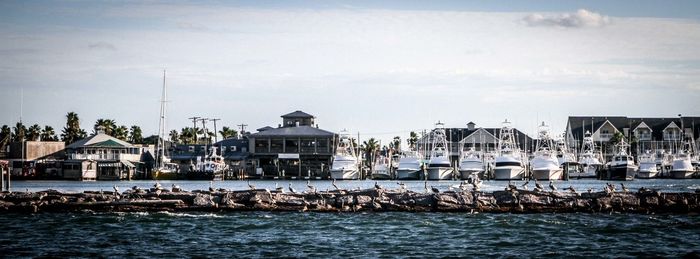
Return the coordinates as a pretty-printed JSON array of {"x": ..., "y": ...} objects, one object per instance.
[
  {"x": 657, "y": 125},
  {"x": 580, "y": 124},
  {"x": 297, "y": 114},
  {"x": 100, "y": 140},
  {"x": 264, "y": 128},
  {"x": 300, "y": 131},
  {"x": 458, "y": 134},
  {"x": 182, "y": 152}
]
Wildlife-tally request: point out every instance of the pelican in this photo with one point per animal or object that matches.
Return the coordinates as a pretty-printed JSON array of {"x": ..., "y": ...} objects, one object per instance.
[
  {"x": 135, "y": 188},
  {"x": 525, "y": 184},
  {"x": 211, "y": 186},
  {"x": 334, "y": 185},
  {"x": 176, "y": 188},
  {"x": 157, "y": 186},
  {"x": 425, "y": 185},
  {"x": 291, "y": 189},
  {"x": 279, "y": 188},
  {"x": 116, "y": 189},
  {"x": 252, "y": 187},
  {"x": 311, "y": 187},
  {"x": 551, "y": 186},
  {"x": 377, "y": 186},
  {"x": 572, "y": 190},
  {"x": 538, "y": 186},
  {"x": 435, "y": 190},
  {"x": 512, "y": 186},
  {"x": 624, "y": 189}
]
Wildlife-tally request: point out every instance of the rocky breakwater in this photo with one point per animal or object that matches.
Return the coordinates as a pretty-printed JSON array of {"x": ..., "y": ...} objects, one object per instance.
[{"x": 377, "y": 199}]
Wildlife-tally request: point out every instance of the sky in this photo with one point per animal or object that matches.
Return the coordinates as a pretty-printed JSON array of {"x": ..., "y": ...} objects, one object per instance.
[{"x": 380, "y": 68}]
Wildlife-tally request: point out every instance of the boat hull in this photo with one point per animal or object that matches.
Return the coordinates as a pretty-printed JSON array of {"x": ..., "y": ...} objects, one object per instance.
[
  {"x": 440, "y": 173},
  {"x": 408, "y": 174},
  {"x": 508, "y": 173},
  {"x": 621, "y": 173},
  {"x": 166, "y": 176},
  {"x": 647, "y": 174},
  {"x": 204, "y": 175},
  {"x": 465, "y": 174},
  {"x": 381, "y": 176},
  {"x": 345, "y": 174},
  {"x": 547, "y": 174},
  {"x": 682, "y": 174}
]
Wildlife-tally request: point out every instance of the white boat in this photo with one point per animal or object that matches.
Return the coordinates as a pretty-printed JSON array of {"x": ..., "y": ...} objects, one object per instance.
[
  {"x": 381, "y": 170},
  {"x": 682, "y": 167},
  {"x": 647, "y": 166},
  {"x": 622, "y": 166},
  {"x": 345, "y": 162},
  {"x": 210, "y": 167},
  {"x": 545, "y": 165},
  {"x": 663, "y": 160},
  {"x": 439, "y": 166},
  {"x": 470, "y": 163},
  {"x": 564, "y": 155},
  {"x": 508, "y": 164},
  {"x": 164, "y": 170},
  {"x": 410, "y": 166},
  {"x": 589, "y": 159}
]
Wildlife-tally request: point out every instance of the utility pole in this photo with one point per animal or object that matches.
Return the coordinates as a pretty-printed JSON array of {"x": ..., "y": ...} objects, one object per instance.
[
  {"x": 204, "y": 129},
  {"x": 194, "y": 127},
  {"x": 216, "y": 138},
  {"x": 242, "y": 125}
]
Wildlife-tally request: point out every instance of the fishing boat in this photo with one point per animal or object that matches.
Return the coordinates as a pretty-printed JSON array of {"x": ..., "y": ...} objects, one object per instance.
[
  {"x": 589, "y": 159},
  {"x": 345, "y": 162},
  {"x": 622, "y": 166},
  {"x": 470, "y": 163},
  {"x": 439, "y": 166},
  {"x": 410, "y": 166},
  {"x": 545, "y": 165},
  {"x": 647, "y": 166},
  {"x": 210, "y": 167},
  {"x": 164, "y": 170},
  {"x": 664, "y": 161},
  {"x": 682, "y": 167},
  {"x": 508, "y": 164},
  {"x": 381, "y": 169}
]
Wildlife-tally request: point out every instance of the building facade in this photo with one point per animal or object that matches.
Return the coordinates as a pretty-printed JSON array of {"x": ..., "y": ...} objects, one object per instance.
[{"x": 107, "y": 157}]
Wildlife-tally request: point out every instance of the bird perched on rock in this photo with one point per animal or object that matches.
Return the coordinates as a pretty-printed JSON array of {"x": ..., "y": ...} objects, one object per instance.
[
  {"x": 425, "y": 185},
  {"x": 157, "y": 186},
  {"x": 572, "y": 190},
  {"x": 511, "y": 186},
  {"x": 311, "y": 187},
  {"x": 116, "y": 189},
  {"x": 402, "y": 186},
  {"x": 176, "y": 188},
  {"x": 334, "y": 185},
  {"x": 538, "y": 186},
  {"x": 135, "y": 188},
  {"x": 552, "y": 187},
  {"x": 279, "y": 188},
  {"x": 624, "y": 189},
  {"x": 291, "y": 189},
  {"x": 252, "y": 187},
  {"x": 435, "y": 190},
  {"x": 525, "y": 184},
  {"x": 475, "y": 187},
  {"x": 211, "y": 186},
  {"x": 377, "y": 186}
]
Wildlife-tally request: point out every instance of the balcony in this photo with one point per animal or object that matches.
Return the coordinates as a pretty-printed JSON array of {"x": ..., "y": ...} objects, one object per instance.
[
  {"x": 644, "y": 136},
  {"x": 605, "y": 136},
  {"x": 105, "y": 157}
]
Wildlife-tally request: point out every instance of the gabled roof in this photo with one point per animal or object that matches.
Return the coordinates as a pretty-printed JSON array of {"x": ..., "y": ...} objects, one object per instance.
[
  {"x": 100, "y": 140},
  {"x": 643, "y": 125},
  {"x": 300, "y": 131},
  {"x": 264, "y": 128},
  {"x": 297, "y": 114}
]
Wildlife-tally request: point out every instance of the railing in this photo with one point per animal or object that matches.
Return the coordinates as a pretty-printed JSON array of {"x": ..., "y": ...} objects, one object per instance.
[
  {"x": 134, "y": 157},
  {"x": 644, "y": 136},
  {"x": 605, "y": 136}
]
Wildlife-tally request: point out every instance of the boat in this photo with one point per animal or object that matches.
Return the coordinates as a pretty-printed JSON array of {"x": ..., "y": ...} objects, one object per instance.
[
  {"x": 545, "y": 165},
  {"x": 410, "y": 166},
  {"x": 381, "y": 169},
  {"x": 439, "y": 165},
  {"x": 682, "y": 166},
  {"x": 663, "y": 160},
  {"x": 345, "y": 162},
  {"x": 508, "y": 164},
  {"x": 164, "y": 169},
  {"x": 210, "y": 167},
  {"x": 470, "y": 163},
  {"x": 622, "y": 166},
  {"x": 589, "y": 159},
  {"x": 647, "y": 166}
]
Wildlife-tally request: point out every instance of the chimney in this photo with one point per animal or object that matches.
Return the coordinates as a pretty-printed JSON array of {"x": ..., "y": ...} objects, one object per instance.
[{"x": 470, "y": 125}]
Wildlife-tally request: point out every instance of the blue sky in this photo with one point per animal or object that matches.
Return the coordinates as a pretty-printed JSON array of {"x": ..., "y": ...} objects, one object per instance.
[{"x": 382, "y": 68}]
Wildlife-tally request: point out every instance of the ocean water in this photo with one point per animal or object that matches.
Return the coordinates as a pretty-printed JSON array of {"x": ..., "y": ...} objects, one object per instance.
[{"x": 358, "y": 235}]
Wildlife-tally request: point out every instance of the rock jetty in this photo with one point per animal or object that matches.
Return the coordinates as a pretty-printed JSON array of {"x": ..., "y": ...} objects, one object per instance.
[{"x": 378, "y": 200}]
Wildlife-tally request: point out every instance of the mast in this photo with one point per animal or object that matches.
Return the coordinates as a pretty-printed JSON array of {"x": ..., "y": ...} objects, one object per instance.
[{"x": 160, "y": 145}]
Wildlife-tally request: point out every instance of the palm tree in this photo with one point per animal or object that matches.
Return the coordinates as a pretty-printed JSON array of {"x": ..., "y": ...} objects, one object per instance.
[
  {"x": 20, "y": 132},
  {"x": 187, "y": 135},
  {"x": 227, "y": 132},
  {"x": 396, "y": 144},
  {"x": 121, "y": 132},
  {"x": 616, "y": 138},
  {"x": 136, "y": 135},
  {"x": 174, "y": 136},
  {"x": 5, "y": 136},
  {"x": 412, "y": 140},
  {"x": 107, "y": 125},
  {"x": 370, "y": 148},
  {"x": 48, "y": 134},
  {"x": 34, "y": 132},
  {"x": 72, "y": 131}
]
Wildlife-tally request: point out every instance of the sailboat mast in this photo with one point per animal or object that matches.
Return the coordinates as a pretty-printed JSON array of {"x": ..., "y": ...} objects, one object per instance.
[{"x": 161, "y": 126}]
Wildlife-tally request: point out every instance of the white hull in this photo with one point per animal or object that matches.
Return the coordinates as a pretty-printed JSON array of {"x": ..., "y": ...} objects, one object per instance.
[
  {"x": 382, "y": 175},
  {"x": 682, "y": 174},
  {"x": 440, "y": 173},
  {"x": 647, "y": 174},
  {"x": 345, "y": 174},
  {"x": 509, "y": 173},
  {"x": 408, "y": 174},
  {"x": 464, "y": 174},
  {"x": 547, "y": 174},
  {"x": 587, "y": 172}
]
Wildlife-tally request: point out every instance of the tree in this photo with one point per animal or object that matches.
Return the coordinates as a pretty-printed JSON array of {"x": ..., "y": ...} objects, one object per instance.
[
  {"x": 187, "y": 135},
  {"x": 5, "y": 136},
  {"x": 617, "y": 138},
  {"x": 48, "y": 134},
  {"x": 370, "y": 148},
  {"x": 396, "y": 143},
  {"x": 121, "y": 132},
  {"x": 108, "y": 125},
  {"x": 174, "y": 136},
  {"x": 20, "y": 132},
  {"x": 34, "y": 132},
  {"x": 72, "y": 132},
  {"x": 412, "y": 140},
  {"x": 135, "y": 135},
  {"x": 227, "y": 132}
]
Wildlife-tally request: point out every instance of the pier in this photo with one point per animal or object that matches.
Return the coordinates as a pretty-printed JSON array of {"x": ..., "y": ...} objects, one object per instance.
[{"x": 367, "y": 200}]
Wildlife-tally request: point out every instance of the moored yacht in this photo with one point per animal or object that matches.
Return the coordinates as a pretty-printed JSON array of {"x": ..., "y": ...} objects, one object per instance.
[
  {"x": 210, "y": 167},
  {"x": 410, "y": 166},
  {"x": 508, "y": 164},
  {"x": 544, "y": 164},
  {"x": 589, "y": 159},
  {"x": 647, "y": 166},
  {"x": 345, "y": 162},
  {"x": 682, "y": 167},
  {"x": 439, "y": 166},
  {"x": 381, "y": 169},
  {"x": 470, "y": 163},
  {"x": 165, "y": 170},
  {"x": 622, "y": 166}
]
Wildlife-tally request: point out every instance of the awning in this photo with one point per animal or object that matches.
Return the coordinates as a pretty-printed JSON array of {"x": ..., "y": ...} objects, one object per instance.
[{"x": 128, "y": 163}]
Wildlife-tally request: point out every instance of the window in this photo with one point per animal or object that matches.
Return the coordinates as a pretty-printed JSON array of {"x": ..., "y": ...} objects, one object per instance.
[
  {"x": 191, "y": 148},
  {"x": 232, "y": 148},
  {"x": 223, "y": 148}
]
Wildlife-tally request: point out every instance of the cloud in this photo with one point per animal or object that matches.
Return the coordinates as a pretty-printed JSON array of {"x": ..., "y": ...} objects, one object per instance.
[
  {"x": 188, "y": 26},
  {"x": 102, "y": 46},
  {"x": 579, "y": 19}
]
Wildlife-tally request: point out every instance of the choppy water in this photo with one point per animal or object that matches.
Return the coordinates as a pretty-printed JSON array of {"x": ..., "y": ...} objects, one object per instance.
[{"x": 391, "y": 234}]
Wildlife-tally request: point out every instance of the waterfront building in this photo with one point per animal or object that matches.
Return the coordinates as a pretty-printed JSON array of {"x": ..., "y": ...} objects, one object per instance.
[
  {"x": 108, "y": 157},
  {"x": 34, "y": 159},
  {"x": 234, "y": 151},
  {"x": 297, "y": 148}
]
